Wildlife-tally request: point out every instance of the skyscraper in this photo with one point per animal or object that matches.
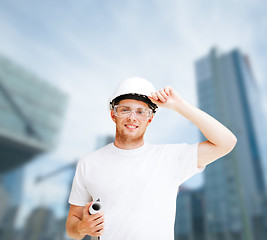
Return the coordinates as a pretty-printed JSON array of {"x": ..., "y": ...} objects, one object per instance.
[
  {"x": 31, "y": 115},
  {"x": 189, "y": 223},
  {"x": 234, "y": 185}
]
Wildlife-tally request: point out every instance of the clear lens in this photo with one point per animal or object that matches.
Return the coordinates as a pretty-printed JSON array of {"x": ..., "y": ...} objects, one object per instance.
[{"x": 141, "y": 113}]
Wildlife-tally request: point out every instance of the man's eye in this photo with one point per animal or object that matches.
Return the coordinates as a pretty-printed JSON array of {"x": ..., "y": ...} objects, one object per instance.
[
  {"x": 140, "y": 112},
  {"x": 125, "y": 110}
]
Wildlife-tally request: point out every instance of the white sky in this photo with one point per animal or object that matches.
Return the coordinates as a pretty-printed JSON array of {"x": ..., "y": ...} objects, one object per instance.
[{"x": 87, "y": 47}]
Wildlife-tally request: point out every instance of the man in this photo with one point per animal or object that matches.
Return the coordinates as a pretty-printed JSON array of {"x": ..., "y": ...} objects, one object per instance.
[{"x": 138, "y": 182}]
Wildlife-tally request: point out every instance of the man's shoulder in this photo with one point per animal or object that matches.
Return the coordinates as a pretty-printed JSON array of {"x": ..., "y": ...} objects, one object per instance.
[{"x": 180, "y": 147}]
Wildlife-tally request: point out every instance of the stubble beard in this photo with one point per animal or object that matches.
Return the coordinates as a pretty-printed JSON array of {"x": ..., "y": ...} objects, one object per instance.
[{"x": 122, "y": 137}]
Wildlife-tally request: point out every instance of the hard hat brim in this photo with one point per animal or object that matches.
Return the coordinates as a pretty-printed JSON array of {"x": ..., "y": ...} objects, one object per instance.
[{"x": 134, "y": 96}]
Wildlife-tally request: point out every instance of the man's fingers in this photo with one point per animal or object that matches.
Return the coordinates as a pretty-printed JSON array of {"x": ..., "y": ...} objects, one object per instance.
[
  {"x": 163, "y": 93},
  {"x": 100, "y": 232},
  {"x": 97, "y": 215},
  {"x": 97, "y": 218},
  {"x": 99, "y": 221},
  {"x": 160, "y": 97},
  {"x": 168, "y": 90},
  {"x": 100, "y": 226},
  {"x": 154, "y": 96}
]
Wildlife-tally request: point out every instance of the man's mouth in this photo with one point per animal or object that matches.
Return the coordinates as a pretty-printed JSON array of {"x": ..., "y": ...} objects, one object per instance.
[{"x": 130, "y": 126}]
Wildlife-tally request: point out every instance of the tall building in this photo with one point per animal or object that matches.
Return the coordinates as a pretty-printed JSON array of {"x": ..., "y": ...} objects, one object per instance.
[
  {"x": 12, "y": 184},
  {"x": 41, "y": 224},
  {"x": 234, "y": 185},
  {"x": 15, "y": 190},
  {"x": 189, "y": 222},
  {"x": 31, "y": 114}
]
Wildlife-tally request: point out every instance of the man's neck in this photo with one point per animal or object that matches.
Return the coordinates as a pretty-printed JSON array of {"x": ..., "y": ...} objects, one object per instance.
[{"x": 128, "y": 145}]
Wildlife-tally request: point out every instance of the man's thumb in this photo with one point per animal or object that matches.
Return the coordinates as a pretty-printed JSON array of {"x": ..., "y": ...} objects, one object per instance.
[{"x": 86, "y": 208}]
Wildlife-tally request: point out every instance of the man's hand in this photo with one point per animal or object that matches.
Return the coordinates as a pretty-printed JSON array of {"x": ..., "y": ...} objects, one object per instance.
[
  {"x": 92, "y": 225},
  {"x": 80, "y": 223},
  {"x": 167, "y": 98}
]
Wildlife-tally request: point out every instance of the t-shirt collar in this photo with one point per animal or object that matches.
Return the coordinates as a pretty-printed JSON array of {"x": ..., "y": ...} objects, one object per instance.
[{"x": 115, "y": 149}]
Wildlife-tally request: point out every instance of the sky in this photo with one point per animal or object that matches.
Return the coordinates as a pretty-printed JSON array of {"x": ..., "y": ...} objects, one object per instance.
[{"x": 86, "y": 48}]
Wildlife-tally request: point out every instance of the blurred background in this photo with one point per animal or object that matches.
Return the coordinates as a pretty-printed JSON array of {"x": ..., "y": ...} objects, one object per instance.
[{"x": 60, "y": 62}]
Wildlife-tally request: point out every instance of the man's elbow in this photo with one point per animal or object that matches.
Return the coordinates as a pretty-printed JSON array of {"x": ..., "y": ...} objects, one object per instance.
[{"x": 231, "y": 144}]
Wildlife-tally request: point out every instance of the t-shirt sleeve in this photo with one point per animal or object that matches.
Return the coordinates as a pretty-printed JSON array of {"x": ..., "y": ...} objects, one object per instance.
[
  {"x": 185, "y": 161},
  {"x": 79, "y": 194}
]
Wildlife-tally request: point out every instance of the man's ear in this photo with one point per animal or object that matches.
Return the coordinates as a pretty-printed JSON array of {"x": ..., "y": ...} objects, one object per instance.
[{"x": 113, "y": 117}]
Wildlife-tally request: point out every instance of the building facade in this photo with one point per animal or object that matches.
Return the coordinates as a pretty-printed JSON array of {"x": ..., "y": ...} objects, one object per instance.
[
  {"x": 234, "y": 185},
  {"x": 31, "y": 116},
  {"x": 190, "y": 208}
]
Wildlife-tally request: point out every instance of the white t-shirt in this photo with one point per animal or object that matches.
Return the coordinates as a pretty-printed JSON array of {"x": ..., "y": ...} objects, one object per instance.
[{"x": 137, "y": 188}]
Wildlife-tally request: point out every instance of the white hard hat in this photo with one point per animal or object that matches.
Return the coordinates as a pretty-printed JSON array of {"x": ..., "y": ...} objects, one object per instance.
[{"x": 134, "y": 88}]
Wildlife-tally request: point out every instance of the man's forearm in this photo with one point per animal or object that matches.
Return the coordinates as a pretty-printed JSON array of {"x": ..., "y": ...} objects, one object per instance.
[
  {"x": 72, "y": 228},
  {"x": 213, "y": 130}
]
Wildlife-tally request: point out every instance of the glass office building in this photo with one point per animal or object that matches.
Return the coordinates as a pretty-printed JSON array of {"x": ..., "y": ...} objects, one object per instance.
[
  {"x": 189, "y": 222},
  {"x": 31, "y": 114},
  {"x": 234, "y": 185}
]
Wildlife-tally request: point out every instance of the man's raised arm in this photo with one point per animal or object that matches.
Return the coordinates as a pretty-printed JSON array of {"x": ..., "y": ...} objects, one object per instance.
[{"x": 220, "y": 140}]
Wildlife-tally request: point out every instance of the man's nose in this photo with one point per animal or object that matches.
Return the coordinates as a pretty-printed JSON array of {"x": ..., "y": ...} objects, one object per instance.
[{"x": 132, "y": 114}]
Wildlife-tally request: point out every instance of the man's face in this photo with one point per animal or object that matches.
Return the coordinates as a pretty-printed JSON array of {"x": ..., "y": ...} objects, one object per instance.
[{"x": 131, "y": 128}]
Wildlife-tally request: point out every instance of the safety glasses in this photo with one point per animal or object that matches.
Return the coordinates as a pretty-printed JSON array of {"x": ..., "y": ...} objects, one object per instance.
[{"x": 124, "y": 111}]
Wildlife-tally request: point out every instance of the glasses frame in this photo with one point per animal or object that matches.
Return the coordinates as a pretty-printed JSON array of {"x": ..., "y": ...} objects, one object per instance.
[{"x": 133, "y": 110}]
